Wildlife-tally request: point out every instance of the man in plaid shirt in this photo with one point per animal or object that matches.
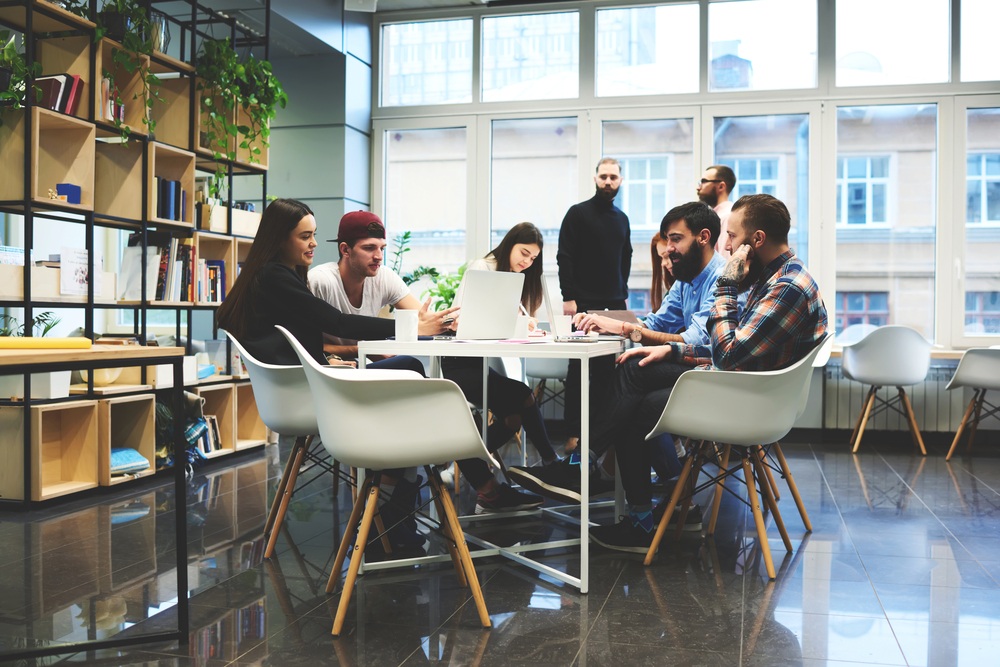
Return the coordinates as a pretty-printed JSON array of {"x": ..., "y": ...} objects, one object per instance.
[{"x": 783, "y": 320}]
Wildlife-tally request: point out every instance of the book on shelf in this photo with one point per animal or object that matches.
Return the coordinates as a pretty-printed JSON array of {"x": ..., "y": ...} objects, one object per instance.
[
  {"x": 52, "y": 89},
  {"x": 71, "y": 97},
  {"x": 11, "y": 255},
  {"x": 216, "y": 280},
  {"x": 213, "y": 427}
]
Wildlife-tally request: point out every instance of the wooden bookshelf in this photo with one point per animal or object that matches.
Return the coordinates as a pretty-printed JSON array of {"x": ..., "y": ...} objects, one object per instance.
[
  {"x": 69, "y": 55},
  {"x": 118, "y": 179},
  {"x": 250, "y": 428},
  {"x": 129, "y": 84},
  {"x": 220, "y": 401},
  {"x": 171, "y": 112},
  {"x": 174, "y": 164}
]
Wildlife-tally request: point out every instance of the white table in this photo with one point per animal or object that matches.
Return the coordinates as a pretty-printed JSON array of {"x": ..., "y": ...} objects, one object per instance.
[{"x": 544, "y": 349}]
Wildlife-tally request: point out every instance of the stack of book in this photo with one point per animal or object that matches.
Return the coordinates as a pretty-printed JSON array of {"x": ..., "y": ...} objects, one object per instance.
[
  {"x": 171, "y": 200},
  {"x": 60, "y": 92}
]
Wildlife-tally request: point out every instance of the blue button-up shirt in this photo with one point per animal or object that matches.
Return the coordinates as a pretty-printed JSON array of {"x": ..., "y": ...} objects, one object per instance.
[{"x": 687, "y": 305}]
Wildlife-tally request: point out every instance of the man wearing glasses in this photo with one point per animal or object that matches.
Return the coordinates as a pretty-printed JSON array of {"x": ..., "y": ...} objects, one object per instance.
[{"x": 717, "y": 183}]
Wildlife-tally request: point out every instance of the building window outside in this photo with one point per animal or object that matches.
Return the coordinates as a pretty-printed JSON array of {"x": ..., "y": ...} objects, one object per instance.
[
  {"x": 531, "y": 57},
  {"x": 982, "y": 312},
  {"x": 862, "y": 190},
  {"x": 639, "y": 301},
  {"x": 753, "y": 175},
  {"x": 427, "y": 62},
  {"x": 862, "y": 308},
  {"x": 643, "y": 194},
  {"x": 982, "y": 194}
]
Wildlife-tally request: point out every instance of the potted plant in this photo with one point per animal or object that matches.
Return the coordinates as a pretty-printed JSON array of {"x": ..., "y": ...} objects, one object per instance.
[
  {"x": 128, "y": 23},
  {"x": 43, "y": 385},
  {"x": 229, "y": 84},
  {"x": 14, "y": 72}
]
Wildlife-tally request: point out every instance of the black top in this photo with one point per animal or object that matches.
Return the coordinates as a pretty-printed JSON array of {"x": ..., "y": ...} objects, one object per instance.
[
  {"x": 595, "y": 252},
  {"x": 282, "y": 297}
]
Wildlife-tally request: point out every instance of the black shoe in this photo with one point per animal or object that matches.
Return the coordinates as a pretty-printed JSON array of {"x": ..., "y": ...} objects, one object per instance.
[
  {"x": 397, "y": 515},
  {"x": 692, "y": 522},
  {"x": 507, "y": 499},
  {"x": 560, "y": 480},
  {"x": 623, "y": 536}
]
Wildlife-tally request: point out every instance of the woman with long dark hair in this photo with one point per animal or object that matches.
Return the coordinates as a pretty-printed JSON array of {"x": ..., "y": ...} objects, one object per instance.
[
  {"x": 663, "y": 278},
  {"x": 272, "y": 289},
  {"x": 510, "y": 401}
]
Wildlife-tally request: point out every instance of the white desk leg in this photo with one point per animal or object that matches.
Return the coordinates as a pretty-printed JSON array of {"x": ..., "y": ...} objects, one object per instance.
[
  {"x": 486, "y": 411},
  {"x": 584, "y": 474}
]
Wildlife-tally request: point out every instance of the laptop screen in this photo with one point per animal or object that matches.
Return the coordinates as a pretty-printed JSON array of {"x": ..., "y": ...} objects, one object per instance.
[{"x": 489, "y": 307}]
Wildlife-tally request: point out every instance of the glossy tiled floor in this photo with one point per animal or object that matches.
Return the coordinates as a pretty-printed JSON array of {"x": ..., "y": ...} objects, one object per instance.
[{"x": 902, "y": 568}]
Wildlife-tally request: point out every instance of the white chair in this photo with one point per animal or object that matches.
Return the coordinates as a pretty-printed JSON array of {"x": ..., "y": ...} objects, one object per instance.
[
  {"x": 890, "y": 356},
  {"x": 285, "y": 405},
  {"x": 768, "y": 404},
  {"x": 375, "y": 419},
  {"x": 979, "y": 369}
]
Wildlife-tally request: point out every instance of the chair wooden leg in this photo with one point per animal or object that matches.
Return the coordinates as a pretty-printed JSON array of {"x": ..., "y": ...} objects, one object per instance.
[
  {"x": 661, "y": 528},
  {"x": 792, "y": 487},
  {"x": 466, "y": 558},
  {"x": 371, "y": 504},
  {"x": 758, "y": 518},
  {"x": 349, "y": 532},
  {"x": 770, "y": 477},
  {"x": 294, "y": 463},
  {"x": 380, "y": 527},
  {"x": 914, "y": 429},
  {"x": 720, "y": 488},
  {"x": 961, "y": 426},
  {"x": 280, "y": 491},
  {"x": 692, "y": 482},
  {"x": 456, "y": 475},
  {"x": 437, "y": 489},
  {"x": 769, "y": 500},
  {"x": 860, "y": 430},
  {"x": 857, "y": 422},
  {"x": 975, "y": 421}
]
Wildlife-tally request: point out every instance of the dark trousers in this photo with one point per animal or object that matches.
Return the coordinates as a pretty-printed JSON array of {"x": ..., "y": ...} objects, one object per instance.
[
  {"x": 601, "y": 373},
  {"x": 634, "y": 405},
  {"x": 506, "y": 397}
]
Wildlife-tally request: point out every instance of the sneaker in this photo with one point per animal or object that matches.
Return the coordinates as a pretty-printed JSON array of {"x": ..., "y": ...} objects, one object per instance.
[
  {"x": 560, "y": 480},
  {"x": 691, "y": 523},
  {"x": 622, "y": 536},
  {"x": 507, "y": 499}
]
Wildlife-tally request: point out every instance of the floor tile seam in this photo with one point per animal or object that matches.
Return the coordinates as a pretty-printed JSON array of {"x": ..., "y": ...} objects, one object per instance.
[
  {"x": 944, "y": 525},
  {"x": 603, "y": 606}
]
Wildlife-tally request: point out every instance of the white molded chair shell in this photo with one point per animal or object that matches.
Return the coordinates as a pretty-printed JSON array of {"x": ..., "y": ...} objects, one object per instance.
[
  {"x": 854, "y": 333},
  {"x": 979, "y": 368},
  {"x": 890, "y": 356},
  {"x": 759, "y": 407},
  {"x": 546, "y": 369},
  {"x": 282, "y": 395},
  {"x": 819, "y": 361},
  {"x": 379, "y": 418}
]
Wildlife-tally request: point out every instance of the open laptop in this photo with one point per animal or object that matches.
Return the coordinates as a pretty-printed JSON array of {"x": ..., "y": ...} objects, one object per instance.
[
  {"x": 490, "y": 301},
  {"x": 553, "y": 313}
]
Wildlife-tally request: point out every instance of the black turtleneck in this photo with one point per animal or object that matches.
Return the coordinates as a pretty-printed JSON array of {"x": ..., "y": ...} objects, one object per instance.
[{"x": 595, "y": 252}]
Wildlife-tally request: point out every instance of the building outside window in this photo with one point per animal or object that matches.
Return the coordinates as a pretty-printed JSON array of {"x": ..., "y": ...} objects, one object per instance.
[
  {"x": 753, "y": 175},
  {"x": 643, "y": 194},
  {"x": 982, "y": 194},
  {"x": 531, "y": 57},
  {"x": 982, "y": 312},
  {"x": 427, "y": 62},
  {"x": 862, "y": 187},
  {"x": 862, "y": 308}
]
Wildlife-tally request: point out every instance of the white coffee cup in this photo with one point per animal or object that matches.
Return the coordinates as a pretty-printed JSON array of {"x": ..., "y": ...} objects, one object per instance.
[
  {"x": 565, "y": 324},
  {"x": 521, "y": 328},
  {"x": 406, "y": 325}
]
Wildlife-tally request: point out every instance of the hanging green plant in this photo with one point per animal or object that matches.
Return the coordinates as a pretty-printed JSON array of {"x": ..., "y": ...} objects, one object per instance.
[
  {"x": 229, "y": 84},
  {"x": 14, "y": 72},
  {"x": 128, "y": 23}
]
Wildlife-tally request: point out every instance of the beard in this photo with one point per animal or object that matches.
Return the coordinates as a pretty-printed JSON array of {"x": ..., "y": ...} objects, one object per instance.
[
  {"x": 754, "y": 269},
  {"x": 607, "y": 194},
  {"x": 710, "y": 198},
  {"x": 686, "y": 267}
]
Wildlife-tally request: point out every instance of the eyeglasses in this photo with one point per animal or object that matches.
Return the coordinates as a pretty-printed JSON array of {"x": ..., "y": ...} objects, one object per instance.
[{"x": 710, "y": 180}]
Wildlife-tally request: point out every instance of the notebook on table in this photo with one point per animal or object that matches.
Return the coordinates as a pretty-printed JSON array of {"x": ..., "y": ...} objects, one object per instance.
[{"x": 490, "y": 305}]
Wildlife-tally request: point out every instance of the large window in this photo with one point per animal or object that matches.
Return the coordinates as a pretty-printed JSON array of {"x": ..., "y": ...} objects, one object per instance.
[
  {"x": 429, "y": 62},
  {"x": 862, "y": 190},
  {"x": 750, "y": 48},
  {"x": 784, "y": 173},
  {"x": 895, "y": 256},
  {"x": 980, "y": 19},
  {"x": 531, "y": 57},
  {"x": 647, "y": 50},
  {"x": 533, "y": 167},
  {"x": 425, "y": 186},
  {"x": 643, "y": 192},
  {"x": 887, "y": 42},
  {"x": 982, "y": 215}
]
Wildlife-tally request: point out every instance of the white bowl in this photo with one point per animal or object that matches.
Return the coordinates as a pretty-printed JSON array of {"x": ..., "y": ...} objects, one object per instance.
[{"x": 102, "y": 376}]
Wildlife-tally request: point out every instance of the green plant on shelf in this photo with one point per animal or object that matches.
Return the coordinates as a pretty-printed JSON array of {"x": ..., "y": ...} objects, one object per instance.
[
  {"x": 401, "y": 243},
  {"x": 227, "y": 83},
  {"x": 127, "y": 22},
  {"x": 41, "y": 325},
  {"x": 15, "y": 73}
]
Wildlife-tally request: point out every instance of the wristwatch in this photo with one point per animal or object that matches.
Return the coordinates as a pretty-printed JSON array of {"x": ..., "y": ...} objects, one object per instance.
[
  {"x": 727, "y": 282},
  {"x": 636, "y": 334}
]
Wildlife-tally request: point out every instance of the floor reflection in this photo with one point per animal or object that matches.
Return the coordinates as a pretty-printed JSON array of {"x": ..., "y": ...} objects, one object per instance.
[{"x": 902, "y": 568}]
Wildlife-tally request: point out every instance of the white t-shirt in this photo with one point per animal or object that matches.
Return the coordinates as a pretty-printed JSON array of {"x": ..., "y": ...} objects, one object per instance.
[
  {"x": 723, "y": 209},
  {"x": 385, "y": 288}
]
